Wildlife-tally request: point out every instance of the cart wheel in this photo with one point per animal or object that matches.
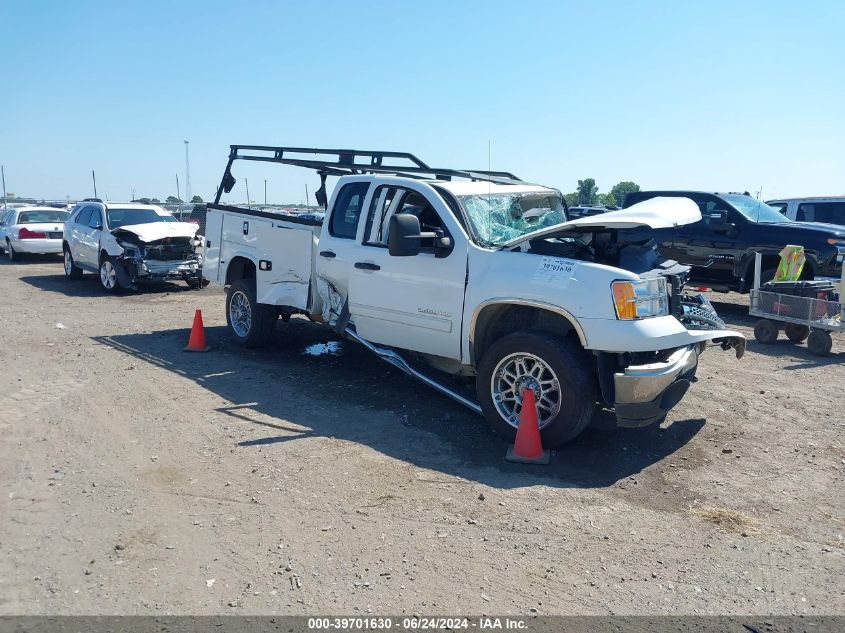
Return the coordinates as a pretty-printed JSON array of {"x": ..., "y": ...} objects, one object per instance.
[
  {"x": 819, "y": 342},
  {"x": 766, "y": 331},
  {"x": 796, "y": 333}
]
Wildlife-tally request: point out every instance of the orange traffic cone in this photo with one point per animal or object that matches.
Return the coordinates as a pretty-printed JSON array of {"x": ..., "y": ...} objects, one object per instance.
[
  {"x": 528, "y": 448},
  {"x": 197, "y": 341}
]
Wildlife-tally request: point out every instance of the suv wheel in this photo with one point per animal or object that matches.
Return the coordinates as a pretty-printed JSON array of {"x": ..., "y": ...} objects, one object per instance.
[
  {"x": 72, "y": 271},
  {"x": 108, "y": 275},
  {"x": 555, "y": 369},
  {"x": 251, "y": 323}
]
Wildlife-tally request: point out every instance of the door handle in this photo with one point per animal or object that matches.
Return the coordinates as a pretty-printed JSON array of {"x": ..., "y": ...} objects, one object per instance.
[
  {"x": 328, "y": 254},
  {"x": 367, "y": 266}
]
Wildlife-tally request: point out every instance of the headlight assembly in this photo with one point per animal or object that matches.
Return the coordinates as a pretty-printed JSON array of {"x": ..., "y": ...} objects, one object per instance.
[{"x": 640, "y": 299}]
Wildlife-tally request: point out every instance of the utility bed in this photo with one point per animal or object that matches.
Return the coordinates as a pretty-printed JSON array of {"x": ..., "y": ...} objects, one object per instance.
[{"x": 265, "y": 238}]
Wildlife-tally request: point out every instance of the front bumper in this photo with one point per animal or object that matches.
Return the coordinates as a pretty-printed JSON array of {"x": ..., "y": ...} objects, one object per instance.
[
  {"x": 645, "y": 393},
  {"x": 131, "y": 271},
  {"x": 45, "y": 247}
]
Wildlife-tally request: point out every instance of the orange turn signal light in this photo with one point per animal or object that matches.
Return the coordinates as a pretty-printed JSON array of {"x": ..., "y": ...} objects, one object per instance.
[{"x": 623, "y": 298}]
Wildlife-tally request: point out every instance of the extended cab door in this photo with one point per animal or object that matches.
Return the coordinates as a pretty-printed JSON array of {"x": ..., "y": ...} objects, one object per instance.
[{"x": 416, "y": 302}]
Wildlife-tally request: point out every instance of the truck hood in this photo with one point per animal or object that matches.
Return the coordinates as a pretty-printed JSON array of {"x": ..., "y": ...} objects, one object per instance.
[
  {"x": 655, "y": 213},
  {"x": 153, "y": 231}
]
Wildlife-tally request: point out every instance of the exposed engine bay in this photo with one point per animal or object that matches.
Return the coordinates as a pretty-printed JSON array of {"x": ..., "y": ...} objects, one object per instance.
[
  {"x": 175, "y": 256},
  {"x": 640, "y": 257}
]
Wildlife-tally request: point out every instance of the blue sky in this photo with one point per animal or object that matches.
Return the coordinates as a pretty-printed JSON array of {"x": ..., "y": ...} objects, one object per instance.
[{"x": 707, "y": 95}]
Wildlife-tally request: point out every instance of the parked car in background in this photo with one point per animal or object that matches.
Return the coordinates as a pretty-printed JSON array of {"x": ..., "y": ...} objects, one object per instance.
[
  {"x": 830, "y": 210},
  {"x": 733, "y": 227},
  {"x": 128, "y": 243},
  {"x": 585, "y": 211},
  {"x": 32, "y": 230}
]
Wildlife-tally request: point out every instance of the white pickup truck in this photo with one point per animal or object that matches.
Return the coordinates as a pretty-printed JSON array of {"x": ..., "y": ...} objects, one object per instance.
[{"x": 475, "y": 283}]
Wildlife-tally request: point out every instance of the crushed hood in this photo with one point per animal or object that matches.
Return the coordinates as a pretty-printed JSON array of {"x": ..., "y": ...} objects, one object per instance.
[
  {"x": 154, "y": 231},
  {"x": 655, "y": 213}
]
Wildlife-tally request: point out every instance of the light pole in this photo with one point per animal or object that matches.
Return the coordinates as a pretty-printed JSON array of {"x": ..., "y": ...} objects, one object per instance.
[
  {"x": 187, "y": 175},
  {"x": 265, "y": 192}
]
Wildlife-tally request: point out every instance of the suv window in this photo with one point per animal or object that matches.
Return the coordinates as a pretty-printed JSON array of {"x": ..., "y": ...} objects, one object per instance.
[
  {"x": 347, "y": 210},
  {"x": 84, "y": 215},
  {"x": 96, "y": 220},
  {"x": 830, "y": 212}
]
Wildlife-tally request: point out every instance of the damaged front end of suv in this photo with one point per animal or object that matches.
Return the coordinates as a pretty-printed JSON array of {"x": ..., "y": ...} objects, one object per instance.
[{"x": 156, "y": 252}]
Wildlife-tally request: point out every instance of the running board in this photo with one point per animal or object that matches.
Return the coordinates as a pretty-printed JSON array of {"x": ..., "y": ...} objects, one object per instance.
[{"x": 397, "y": 361}]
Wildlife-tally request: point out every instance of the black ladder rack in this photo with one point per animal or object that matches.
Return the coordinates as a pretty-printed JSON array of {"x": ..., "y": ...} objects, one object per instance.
[{"x": 345, "y": 162}]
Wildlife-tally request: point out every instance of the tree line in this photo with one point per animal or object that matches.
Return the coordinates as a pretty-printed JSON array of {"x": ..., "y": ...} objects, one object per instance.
[
  {"x": 168, "y": 200},
  {"x": 587, "y": 194}
]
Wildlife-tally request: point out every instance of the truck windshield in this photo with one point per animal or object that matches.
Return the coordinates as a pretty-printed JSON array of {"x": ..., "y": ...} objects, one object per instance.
[
  {"x": 755, "y": 210},
  {"x": 128, "y": 217},
  {"x": 498, "y": 218}
]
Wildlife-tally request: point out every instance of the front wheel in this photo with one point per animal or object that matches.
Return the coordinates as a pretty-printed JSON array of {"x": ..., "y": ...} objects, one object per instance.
[
  {"x": 250, "y": 322},
  {"x": 108, "y": 275},
  {"x": 558, "y": 373}
]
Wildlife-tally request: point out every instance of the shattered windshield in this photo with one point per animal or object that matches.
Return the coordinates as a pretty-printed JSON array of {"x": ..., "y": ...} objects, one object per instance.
[
  {"x": 500, "y": 217},
  {"x": 128, "y": 217}
]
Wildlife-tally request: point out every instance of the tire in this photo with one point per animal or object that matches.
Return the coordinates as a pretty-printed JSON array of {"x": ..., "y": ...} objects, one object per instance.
[
  {"x": 819, "y": 342},
  {"x": 195, "y": 283},
  {"x": 251, "y": 323},
  {"x": 72, "y": 271},
  {"x": 11, "y": 253},
  {"x": 108, "y": 275},
  {"x": 796, "y": 333},
  {"x": 766, "y": 331},
  {"x": 566, "y": 383}
]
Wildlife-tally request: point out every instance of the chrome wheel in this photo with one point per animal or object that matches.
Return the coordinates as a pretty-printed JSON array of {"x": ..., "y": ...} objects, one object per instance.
[
  {"x": 240, "y": 314},
  {"x": 108, "y": 276},
  {"x": 520, "y": 371},
  {"x": 68, "y": 263}
]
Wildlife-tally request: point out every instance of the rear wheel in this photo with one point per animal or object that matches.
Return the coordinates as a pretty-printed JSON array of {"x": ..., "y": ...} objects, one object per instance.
[
  {"x": 819, "y": 342},
  {"x": 796, "y": 333},
  {"x": 11, "y": 253},
  {"x": 72, "y": 271},
  {"x": 555, "y": 369},
  {"x": 250, "y": 322},
  {"x": 108, "y": 274},
  {"x": 766, "y": 331}
]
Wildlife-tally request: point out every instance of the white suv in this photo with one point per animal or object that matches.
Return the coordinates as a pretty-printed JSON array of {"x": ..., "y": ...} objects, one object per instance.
[
  {"x": 829, "y": 210},
  {"x": 127, "y": 243}
]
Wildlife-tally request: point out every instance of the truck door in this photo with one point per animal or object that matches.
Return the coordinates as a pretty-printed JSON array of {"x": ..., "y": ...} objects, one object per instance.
[
  {"x": 710, "y": 245},
  {"x": 211, "y": 247},
  {"x": 414, "y": 302}
]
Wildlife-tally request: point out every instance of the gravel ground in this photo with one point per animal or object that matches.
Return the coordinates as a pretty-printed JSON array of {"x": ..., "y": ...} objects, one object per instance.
[{"x": 314, "y": 479}]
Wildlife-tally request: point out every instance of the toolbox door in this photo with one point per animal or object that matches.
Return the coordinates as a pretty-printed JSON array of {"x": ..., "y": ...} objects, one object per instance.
[{"x": 284, "y": 264}]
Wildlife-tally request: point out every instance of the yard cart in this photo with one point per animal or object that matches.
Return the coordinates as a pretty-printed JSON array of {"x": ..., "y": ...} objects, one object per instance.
[{"x": 809, "y": 310}]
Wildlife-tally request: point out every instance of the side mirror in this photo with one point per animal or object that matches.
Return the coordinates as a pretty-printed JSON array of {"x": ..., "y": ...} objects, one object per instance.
[{"x": 403, "y": 235}]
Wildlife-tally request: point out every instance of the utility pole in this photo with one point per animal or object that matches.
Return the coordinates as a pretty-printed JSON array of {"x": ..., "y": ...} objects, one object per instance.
[
  {"x": 94, "y": 178},
  {"x": 187, "y": 175},
  {"x": 246, "y": 184},
  {"x": 178, "y": 197},
  {"x": 265, "y": 192},
  {"x": 133, "y": 195},
  {"x": 306, "y": 195},
  {"x": 3, "y": 173}
]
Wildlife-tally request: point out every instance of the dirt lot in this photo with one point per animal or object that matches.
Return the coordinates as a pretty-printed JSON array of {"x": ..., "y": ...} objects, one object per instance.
[{"x": 139, "y": 479}]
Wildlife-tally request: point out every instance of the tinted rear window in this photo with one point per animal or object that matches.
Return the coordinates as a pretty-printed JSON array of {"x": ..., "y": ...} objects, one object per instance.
[
  {"x": 829, "y": 212},
  {"x": 41, "y": 217}
]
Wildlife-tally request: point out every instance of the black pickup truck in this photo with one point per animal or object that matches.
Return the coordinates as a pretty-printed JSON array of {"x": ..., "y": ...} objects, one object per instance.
[{"x": 721, "y": 246}]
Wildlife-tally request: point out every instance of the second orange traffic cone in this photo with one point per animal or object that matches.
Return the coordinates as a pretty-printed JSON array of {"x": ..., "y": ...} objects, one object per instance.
[
  {"x": 196, "y": 343},
  {"x": 528, "y": 448}
]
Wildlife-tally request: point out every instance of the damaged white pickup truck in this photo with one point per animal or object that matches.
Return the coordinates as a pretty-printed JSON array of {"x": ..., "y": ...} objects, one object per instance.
[
  {"x": 475, "y": 283},
  {"x": 129, "y": 243}
]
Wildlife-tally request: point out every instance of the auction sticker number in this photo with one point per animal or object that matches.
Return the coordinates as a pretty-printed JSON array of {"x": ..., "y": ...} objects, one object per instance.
[{"x": 555, "y": 271}]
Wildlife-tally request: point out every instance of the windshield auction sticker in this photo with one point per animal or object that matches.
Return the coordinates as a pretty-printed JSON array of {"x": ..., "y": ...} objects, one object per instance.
[{"x": 555, "y": 271}]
